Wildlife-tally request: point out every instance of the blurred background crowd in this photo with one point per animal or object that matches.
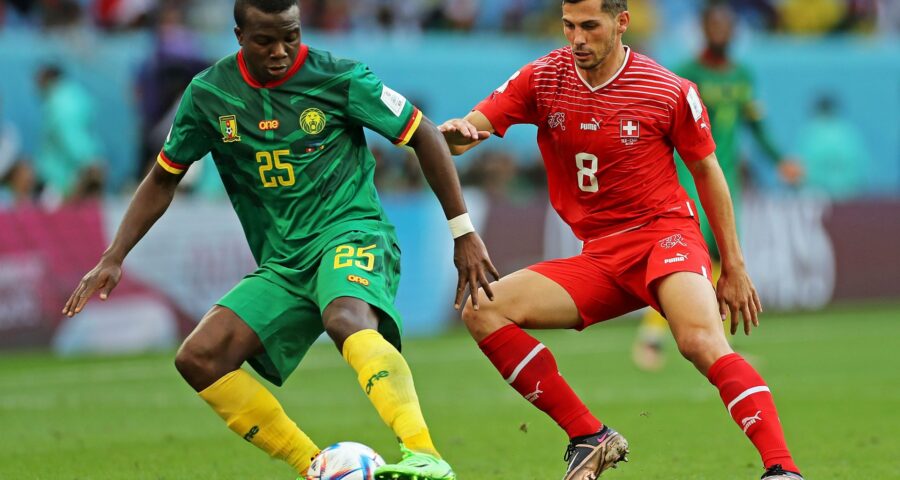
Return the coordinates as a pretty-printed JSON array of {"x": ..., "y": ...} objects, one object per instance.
[
  {"x": 67, "y": 151},
  {"x": 801, "y": 17}
]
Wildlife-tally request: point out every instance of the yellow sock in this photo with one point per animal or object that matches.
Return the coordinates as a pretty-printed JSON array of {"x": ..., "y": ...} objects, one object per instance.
[
  {"x": 385, "y": 377},
  {"x": 253, "y": 413}
]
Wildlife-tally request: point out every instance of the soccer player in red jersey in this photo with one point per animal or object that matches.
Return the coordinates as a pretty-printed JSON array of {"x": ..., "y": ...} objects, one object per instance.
[{"x": 609, "y": 120}]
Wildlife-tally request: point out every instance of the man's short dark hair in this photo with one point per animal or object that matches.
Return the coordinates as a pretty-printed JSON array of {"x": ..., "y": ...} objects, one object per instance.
[
  {"x": 267, "y": 6},
  {"x": 715, "y": 6},
  {"x": 612, "y": 7}
]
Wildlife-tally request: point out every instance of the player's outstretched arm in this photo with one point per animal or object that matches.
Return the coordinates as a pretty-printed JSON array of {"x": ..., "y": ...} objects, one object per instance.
[
  {"x": 790, "y": 169},
  {"x": 150, "y": 201},
  {"x": 735, "y": 290},
  {"x": 463, "y": 134},
  {"x": 469, "y": 255}
]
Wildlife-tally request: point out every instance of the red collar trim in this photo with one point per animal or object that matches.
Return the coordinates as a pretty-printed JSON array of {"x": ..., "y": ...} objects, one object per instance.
[
  {"x": 712, "y": 60},
  {"x": 298, "y": 62},
  {"x": 629, "y": 56}
]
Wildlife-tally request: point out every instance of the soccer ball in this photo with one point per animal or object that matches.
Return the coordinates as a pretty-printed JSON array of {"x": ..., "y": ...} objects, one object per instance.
[{"x": 345, "y": 461}]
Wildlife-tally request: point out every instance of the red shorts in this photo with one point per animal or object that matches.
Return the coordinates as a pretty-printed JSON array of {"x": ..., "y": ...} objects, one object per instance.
[{"x": 615, "y": 275}]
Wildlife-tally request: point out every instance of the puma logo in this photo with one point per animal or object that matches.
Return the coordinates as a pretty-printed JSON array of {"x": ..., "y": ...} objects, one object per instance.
[
  {"x": 533, "y": 396},
  {"x": 750, "y": 421}
]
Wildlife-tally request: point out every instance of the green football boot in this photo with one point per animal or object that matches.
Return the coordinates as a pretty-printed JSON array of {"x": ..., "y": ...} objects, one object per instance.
[{"x": 416, "y": 466}]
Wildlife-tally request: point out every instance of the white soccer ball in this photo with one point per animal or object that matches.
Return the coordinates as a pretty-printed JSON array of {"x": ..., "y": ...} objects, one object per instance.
[{"x": 345, "y": 461}]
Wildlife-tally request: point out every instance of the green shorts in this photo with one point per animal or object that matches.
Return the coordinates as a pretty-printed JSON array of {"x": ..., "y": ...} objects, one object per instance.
[{"x": 284, "y": 307}]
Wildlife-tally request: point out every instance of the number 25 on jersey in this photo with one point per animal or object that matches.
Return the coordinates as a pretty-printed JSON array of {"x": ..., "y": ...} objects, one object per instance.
[{"x": 269, "y": 161}]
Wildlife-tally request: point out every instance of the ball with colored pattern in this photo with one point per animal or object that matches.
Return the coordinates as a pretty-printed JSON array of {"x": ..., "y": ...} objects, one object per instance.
[{"x": 345, "y": 461}]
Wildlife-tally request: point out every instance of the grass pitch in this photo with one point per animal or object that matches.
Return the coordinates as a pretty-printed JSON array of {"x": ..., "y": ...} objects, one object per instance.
[{"x": 834, "y": 374}]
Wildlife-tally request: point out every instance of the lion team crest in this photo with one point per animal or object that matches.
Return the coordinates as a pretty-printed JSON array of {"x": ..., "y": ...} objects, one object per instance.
[
  {"x": 228, "y": 126},
  {"x": 312, "y": 121}
]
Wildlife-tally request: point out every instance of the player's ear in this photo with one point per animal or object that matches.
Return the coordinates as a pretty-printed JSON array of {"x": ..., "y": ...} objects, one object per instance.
[
  {"x": 623, "y": 20},
  {"x": 240, "y": 35}
]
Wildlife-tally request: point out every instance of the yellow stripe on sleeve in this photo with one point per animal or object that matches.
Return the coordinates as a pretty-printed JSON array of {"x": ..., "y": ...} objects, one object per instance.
[
  {"x": 414, "y": 125},
  {"x": 168, "y": 166}
]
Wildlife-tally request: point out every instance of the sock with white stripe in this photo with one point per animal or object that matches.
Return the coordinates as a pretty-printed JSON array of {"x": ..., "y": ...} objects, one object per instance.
[
  {"x": 531, "y": 369},
  {"x": 752, "y": 407}
]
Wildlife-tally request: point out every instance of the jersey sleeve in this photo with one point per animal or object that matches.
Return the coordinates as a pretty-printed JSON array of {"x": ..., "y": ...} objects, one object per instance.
[
  {"x": 690, "y": 132},
  {"x": 750, "y": 107},
  {"x": 186, "y": 142},
  {"x": 377, "y": 107},
  {"x": 512, "y": 103}
]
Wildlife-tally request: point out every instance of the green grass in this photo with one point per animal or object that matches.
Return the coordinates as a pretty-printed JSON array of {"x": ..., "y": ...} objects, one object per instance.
[{"x": 835, "y": 376}]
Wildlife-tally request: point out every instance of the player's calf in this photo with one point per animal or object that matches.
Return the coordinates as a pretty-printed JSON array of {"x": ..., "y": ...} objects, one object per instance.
[{"x": 749, "y": 402}]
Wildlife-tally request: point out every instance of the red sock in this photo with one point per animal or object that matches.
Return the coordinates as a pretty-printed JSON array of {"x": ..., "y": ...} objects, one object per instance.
[
  {"x": 752, "y": 407},
  {"x": 531, "y": 369}
]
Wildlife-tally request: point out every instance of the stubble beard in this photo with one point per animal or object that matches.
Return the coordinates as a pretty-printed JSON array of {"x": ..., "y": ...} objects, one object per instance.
[{"x": 601, "y": 56}]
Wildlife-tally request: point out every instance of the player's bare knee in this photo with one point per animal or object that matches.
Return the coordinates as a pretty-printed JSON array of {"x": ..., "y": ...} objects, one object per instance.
[
  {"x": 197, "y": 363},
  {"x": 340, "y": 322},
  {"x": 484, "y": 321},
  {"x": 469, "y": 315},
  {"x": 701, "y": 348}
]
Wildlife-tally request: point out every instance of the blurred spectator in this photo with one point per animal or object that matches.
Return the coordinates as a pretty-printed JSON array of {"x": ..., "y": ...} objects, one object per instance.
[
  {"x": 834, "y": 152},
  {"x": 812, "y": 17},
  {"x": 728, "y": 91},
  {"x": 60, "y": 13},
  {"x": 820, "y": 17},
  {"x": 861, "y": 16},
  {"x": 326, "y": 15},
  {"x": 889, "y": 16},
  {"x": 68, "y": 159},
  {"x": 759, "y": 14},
  {"x": 493, "y": 172},
  {"x": 459, "y": 15},
  {"x": 334, "y": 15},
  {"x": 17, "y": 182},
  {"x": 123, "y": 14},
  {"x": 14, "y": 8},
  {"x": 161, "y": 80},
  {"x": 644, "y": 23},
  {"x": 10, "y": 142},
  {"x": 388, "y": 15},
  {"x": 397, "y": 170}
]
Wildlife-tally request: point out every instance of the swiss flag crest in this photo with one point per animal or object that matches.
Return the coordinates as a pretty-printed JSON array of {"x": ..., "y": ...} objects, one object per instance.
[{"x": 629, "y": 130}]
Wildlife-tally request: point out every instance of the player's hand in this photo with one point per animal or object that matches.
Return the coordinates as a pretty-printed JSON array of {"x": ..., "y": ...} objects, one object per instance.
[
  {"x": 736, "y": 294},
  {"x": 791, "y": 171},
  {"x": 103, "y": 278},
  {"x": 473, "y": 264},
  {"x": 459, "y": 131}
]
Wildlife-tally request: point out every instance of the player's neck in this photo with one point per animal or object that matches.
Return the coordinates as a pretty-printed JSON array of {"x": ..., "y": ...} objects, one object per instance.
[
  {"x": 713, "y": 58},
  {"x": 605, "y": 71}
]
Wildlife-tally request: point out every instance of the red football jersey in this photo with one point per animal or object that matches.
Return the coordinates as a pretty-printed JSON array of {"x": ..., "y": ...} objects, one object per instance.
[{"x": 608, "y": 150}]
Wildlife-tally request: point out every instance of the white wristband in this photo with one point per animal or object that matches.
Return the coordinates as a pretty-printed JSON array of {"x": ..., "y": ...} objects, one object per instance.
[{"x": 460, "y": 225}]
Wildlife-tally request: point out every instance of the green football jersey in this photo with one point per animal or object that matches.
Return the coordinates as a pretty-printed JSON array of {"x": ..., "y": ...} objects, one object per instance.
[
  {"x": 292, "y": 154},
  {"x": 728, "y": 95}
]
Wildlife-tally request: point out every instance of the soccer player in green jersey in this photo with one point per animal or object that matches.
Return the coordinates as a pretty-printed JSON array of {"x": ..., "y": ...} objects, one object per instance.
[
  {"x": 284, "y": 123},
  {"x": 727, "y": 89}
]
